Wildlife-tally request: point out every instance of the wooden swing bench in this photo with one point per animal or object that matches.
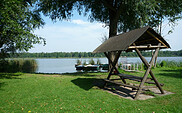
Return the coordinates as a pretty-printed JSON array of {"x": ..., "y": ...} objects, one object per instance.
[{"x": 139, "y": 40}]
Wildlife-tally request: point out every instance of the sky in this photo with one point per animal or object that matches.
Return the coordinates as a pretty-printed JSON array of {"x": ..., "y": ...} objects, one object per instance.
[{"x": 79, "y": 35}]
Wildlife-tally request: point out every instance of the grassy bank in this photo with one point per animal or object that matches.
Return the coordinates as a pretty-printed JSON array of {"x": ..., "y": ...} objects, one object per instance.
[{"x": 71, "y": 93}]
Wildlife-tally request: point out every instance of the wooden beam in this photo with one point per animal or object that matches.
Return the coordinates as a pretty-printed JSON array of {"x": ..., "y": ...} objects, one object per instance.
[
  {"x": 147, "y": 72},
  {"x": 157, "y": 38},
  {"x": 145, "y": 47},
  {"x": 151, "y": 73},
  {"x": 113, "y": 63}
]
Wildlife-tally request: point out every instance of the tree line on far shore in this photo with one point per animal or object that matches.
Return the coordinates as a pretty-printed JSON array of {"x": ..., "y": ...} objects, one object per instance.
[{"x": 90, "y": 54}]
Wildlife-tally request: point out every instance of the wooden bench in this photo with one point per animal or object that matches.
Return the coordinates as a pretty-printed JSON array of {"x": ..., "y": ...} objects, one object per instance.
[{"x": 138, "y": 79}]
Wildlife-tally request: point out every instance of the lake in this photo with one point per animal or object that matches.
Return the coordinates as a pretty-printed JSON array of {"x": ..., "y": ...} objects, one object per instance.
[{"x": 67, "y": 65}]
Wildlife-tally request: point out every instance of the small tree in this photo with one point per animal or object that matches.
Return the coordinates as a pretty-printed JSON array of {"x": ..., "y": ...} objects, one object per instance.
[{"x": 18, "y": 21}]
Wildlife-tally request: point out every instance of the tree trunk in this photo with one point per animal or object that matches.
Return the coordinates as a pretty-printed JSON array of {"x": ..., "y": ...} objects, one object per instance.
[
  {"x": 160, "y": 32},
  {"x": 112, "y": 32}
]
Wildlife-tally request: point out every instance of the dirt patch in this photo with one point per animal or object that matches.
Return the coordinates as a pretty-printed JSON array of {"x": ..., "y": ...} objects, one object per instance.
[{"x": 129, "y": 93}]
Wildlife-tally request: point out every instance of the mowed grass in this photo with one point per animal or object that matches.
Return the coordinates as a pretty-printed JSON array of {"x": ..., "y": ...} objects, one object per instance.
[{"x": 73, "y": 93}]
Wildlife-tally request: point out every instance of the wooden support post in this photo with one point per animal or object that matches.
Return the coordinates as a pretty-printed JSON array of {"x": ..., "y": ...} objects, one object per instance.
[
  {"x": 113, "y": 63},
  {"x": 151, "y": 73},
  {"x": 157, "y": 39},
  {"x": 148, "y": 65},
  {"x": 147, "y": 72},
  {"x": 155, "y": 62}
]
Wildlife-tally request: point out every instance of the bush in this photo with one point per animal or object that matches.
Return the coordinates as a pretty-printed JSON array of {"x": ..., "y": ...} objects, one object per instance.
[
  {"x": 163, "y": 64},
  {"x": 142, "y": 67},
  {"x": 158, "y": 65}
]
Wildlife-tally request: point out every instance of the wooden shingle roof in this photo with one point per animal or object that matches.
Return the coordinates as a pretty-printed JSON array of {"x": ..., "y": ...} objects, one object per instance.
[{"x": 144, "y": 38}]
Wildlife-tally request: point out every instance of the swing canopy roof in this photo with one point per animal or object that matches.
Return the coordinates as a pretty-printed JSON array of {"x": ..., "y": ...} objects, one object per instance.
[{"x": 143, "y": 38}]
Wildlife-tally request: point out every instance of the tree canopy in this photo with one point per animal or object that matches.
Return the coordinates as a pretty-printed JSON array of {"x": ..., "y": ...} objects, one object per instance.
[
  {"x": 18, "y": 20},
  {"x": 119, "y": 15}
]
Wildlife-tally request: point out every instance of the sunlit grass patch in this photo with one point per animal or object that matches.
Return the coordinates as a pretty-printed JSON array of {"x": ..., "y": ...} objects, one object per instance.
[{"x": 77, "y": 93}]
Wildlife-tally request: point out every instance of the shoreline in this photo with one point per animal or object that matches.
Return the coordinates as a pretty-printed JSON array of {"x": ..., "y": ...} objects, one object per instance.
[{"x": 80, "y": 58}]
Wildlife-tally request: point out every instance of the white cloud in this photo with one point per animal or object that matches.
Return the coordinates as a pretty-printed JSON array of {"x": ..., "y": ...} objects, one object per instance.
[
  {"x": 80, "y": 22},
  {"x": 80, "y": 36},
  {"x": 67, "y": 36}
]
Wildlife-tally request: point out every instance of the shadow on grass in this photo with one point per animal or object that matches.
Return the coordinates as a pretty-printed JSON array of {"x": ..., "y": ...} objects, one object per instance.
[
  {"x": 2, "y": 84},
  {"x": 84, "y": 74},
  {"x": 88, "y": 83},
  {"x": 176, "y": 73},
  {"x": 87, "y": 74},
  {"x": 10, "y": 75}
]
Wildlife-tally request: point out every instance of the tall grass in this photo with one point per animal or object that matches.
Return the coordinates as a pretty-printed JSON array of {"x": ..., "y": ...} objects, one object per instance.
[
  {"x": 18, "y": 65},
  {"x": 171, "y": 64},
  {"x": 78, "y": 62},
  {"x": 163, "y": 63},
  {"x": 91, "y": 62}
]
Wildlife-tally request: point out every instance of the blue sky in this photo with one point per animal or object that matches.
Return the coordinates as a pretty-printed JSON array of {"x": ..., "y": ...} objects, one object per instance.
[{"x": 79, "y": 35}]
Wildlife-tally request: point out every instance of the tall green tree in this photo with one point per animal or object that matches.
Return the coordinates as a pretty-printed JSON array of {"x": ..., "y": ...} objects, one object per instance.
[
  {"x": 18, "y": 20},
  {"x": 118, "y": 15}
]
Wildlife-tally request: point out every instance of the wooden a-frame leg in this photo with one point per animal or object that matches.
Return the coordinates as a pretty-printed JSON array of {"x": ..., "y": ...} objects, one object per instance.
[
  {"x": 147, "y": 71},
  {"x": 151, "y": 73},
  {"x": 113, "y": 65}
]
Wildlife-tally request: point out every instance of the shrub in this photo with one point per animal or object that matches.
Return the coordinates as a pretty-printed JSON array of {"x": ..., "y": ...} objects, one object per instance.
[
  {"x": 163, "y": 64},
  {"x": 143, "y": 67},
  {"x": 158, "y": 65}
]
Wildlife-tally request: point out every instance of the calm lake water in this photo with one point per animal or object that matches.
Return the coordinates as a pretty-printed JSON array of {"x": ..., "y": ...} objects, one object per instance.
[{"x": 67, "y": 65}]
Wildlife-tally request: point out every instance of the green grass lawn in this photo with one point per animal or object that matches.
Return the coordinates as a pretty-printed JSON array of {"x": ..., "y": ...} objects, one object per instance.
[{"x": 71, "y": 93}]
